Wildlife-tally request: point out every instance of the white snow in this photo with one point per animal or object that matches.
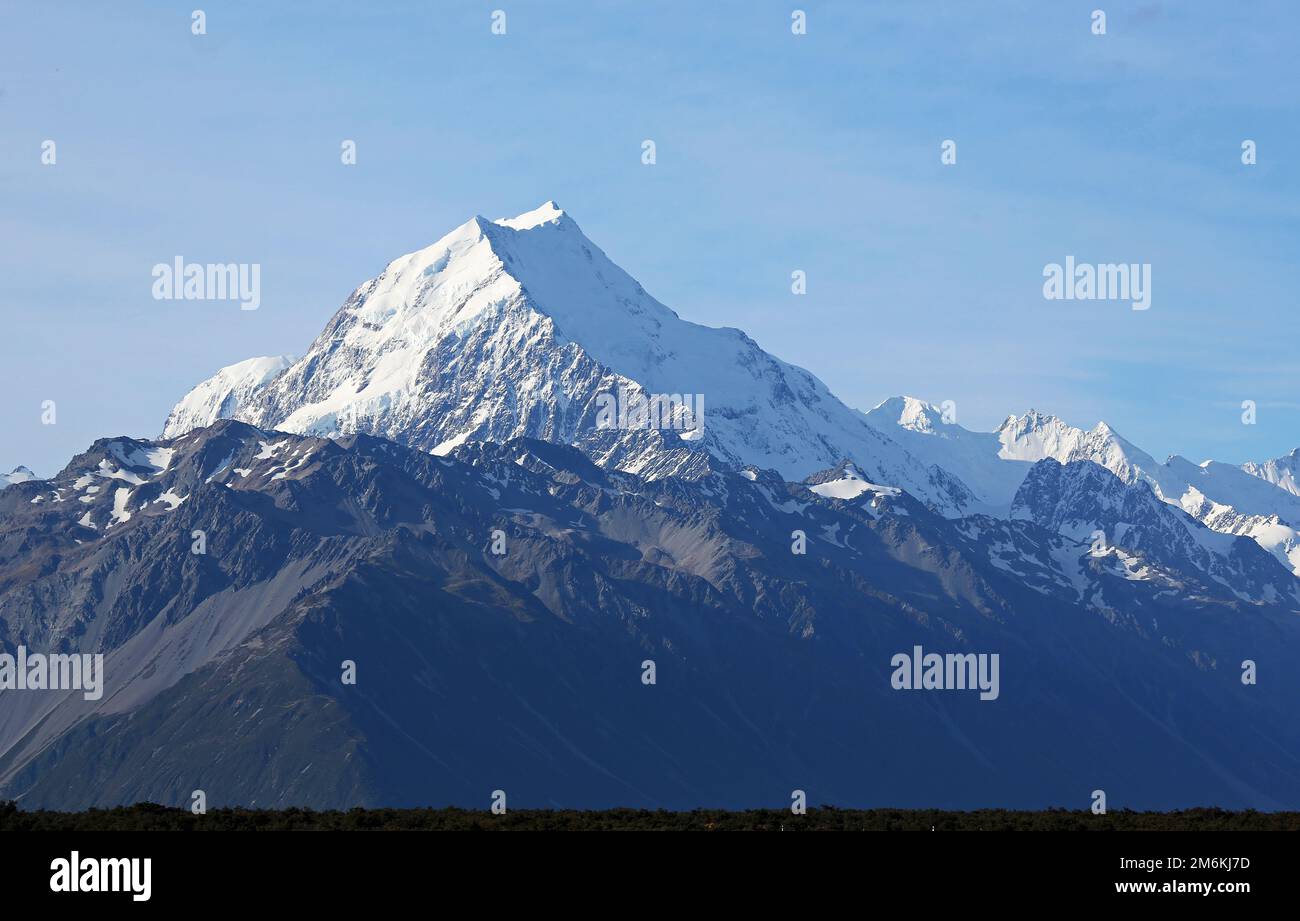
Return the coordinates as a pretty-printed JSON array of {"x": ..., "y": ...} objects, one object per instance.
[
  {"x": 153, "y": 459},
  {"x": 221, "y": 468},
  {"x": 547, "y": 213},
  {"x": 850, "y": 486},
  {"x": 19, "y": 474},
  {"x": 109, "y": 472},
  {"x": 120, "y": 513},
  {"x": 173, "y": 501},
  {"x": 446, "y": 447},
  {"x": 1282, "y": 472},
  {"x": 223, "y": 394}
]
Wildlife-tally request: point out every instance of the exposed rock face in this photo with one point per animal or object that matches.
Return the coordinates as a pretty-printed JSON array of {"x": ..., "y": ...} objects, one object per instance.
[{"x": 523, "y": 670}]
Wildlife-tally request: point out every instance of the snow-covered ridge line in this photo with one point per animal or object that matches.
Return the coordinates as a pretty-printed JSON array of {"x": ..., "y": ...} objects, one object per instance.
[{"x": 1253, "y": 500}]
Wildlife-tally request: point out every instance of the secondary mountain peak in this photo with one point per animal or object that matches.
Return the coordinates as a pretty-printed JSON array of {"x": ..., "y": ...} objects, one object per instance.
[
  {"x": 224, "y": 394},
  {"x": 1283, "y": 472},
  {"x": 1031, "y": 420},
  {"x": 910, "y": 413},
  {"x": 19, "y": 474}
]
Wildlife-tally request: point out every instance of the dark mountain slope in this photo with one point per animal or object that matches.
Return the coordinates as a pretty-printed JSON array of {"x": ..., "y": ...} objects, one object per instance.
[{"x": 522, "y": 671}]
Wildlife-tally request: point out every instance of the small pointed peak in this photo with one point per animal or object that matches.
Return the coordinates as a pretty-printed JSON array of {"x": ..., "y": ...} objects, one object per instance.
[
  {"x": 546, "y": 213},
  {"x": 904, "y": 402},
  {"x": 20, "y": 474},
  {"x": 1105, "y": 430},
  {"x": 906, "y": 411},
  {"x": 849, "y": 470},
  {"x": 844, "y": 470},
  {"x": 918, "y": 414},
  {"x": 1031, "y": 419}
]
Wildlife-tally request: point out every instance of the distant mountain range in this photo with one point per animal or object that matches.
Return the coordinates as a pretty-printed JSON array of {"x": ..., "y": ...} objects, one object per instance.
[
  {"x": 435, "y": 493},
  {"x": 516, "y": 327}
]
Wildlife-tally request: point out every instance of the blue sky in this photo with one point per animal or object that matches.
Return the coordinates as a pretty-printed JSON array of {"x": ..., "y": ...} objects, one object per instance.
[{"x": 775, "y": 152}]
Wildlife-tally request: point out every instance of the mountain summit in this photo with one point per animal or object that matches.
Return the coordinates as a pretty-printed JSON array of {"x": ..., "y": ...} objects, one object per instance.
[
  {"x": 19, "y": 474},
  {"x": 522, "y": 327}
]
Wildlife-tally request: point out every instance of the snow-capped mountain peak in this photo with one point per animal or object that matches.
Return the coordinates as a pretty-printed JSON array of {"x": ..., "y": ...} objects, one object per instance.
[
  {"x": 1035, "y": 436},
  {"x": 523, "y": 327},
  {"x": 19, "y": 474},
  {"x": 1282, "y": 472},
  {"x": 914, "y": 415},
  {"x": 973, "y": 457},
  {"x": 224, "y": 394}
]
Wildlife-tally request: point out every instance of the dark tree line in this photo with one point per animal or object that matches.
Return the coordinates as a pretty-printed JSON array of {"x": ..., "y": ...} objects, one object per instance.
[{"x": 152, "y": 817}]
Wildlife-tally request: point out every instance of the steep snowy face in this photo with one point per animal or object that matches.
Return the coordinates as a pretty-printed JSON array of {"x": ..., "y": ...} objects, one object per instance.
[
  {"x": 19, "y": 474},
  {"x": 918, "y": 416},
  {"x": 1282, "y": 472},
  {"x": 522, "y": 327},
  {"x": 445, "y": 347},
  {"x": 223, "y": 395}
]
